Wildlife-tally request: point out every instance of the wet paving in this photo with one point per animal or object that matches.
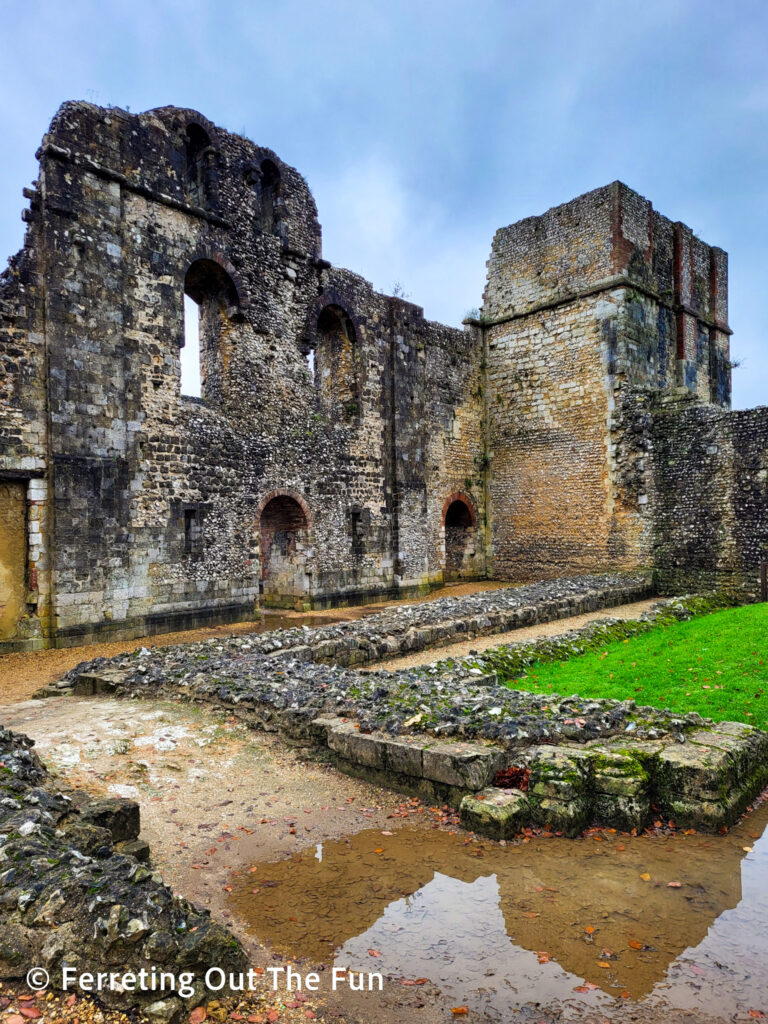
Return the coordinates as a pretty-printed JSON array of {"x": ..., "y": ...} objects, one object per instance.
[{"x": 608, "y": 922}]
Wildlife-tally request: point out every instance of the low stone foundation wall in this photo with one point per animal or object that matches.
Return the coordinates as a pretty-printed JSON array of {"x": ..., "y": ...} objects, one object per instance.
[
  {"x": 449, "y": 733},
  {"x": 406, "y": 628},
  {"x": 444, "y": 733},
  {"x": 75, "y": 890},
  {"x": 705, "y": 783}
]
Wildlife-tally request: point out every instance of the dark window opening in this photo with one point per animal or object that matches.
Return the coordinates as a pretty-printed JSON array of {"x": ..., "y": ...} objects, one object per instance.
[
  {"x": 198, "y": 153},
  {"x": 358, "y": 524},
  {"x": 193, "y": 533},
  {"x": 335, "y": 365},
  {"x": 284, "y": 514},
  {"x": 270, "y": 194},
  {"x": 459, "y": 515},
  {"x": 459, "y": 539},
  {"x": 283, "y": 530}
]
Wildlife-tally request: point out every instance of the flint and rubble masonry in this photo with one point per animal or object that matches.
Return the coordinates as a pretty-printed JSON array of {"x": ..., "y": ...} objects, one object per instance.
[
  {"x": 446, "y": 733},
  {"x": 337, "y": 427}
]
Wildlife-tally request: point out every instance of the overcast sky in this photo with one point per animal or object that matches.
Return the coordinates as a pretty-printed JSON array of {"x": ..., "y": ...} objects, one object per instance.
[{"x": 423, "y": 125}]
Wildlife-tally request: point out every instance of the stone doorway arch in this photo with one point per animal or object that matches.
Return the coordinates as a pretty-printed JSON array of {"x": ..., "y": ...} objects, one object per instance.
[
  {"x": 459, "y": 522},
  {"x": 284, "y": 523}
]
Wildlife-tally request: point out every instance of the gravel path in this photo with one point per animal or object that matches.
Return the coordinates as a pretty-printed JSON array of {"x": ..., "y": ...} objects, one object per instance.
[{"x": 484, "y": 643}]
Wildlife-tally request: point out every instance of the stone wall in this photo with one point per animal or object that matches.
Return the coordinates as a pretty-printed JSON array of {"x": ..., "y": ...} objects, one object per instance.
[
  {"x": 594, "y": 297},
  {"x": 147, "y": 509},
  {"x": 313, "y": 385},
  {"x": 710, "y": 478}
]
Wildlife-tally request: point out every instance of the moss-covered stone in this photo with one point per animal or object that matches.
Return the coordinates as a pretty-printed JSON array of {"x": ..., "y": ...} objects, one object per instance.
[
  {"x": 567, "y": 816},
  {"x": 497, "y": 813}
]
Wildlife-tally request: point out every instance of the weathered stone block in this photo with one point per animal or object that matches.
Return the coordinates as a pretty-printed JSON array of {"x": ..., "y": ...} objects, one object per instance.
[
  {"x": 747, "y": 746},
  {"x": 498, "y": 813},
  {"x": 468, "y": 766},
  {"x": 135, "y": 848},
  {"x": 558, "y": 788},
  {"x": 120, "y": 817},
  {"x": 358, "y": 747},
  {"x": 103, "y": 681},
  {"x": 622, "y": 812},
  {"x": 617, "y": 774},
  {"x": 569, "y": 817},
  {"x": 694, "y": 770},
  {"x": 705, "y": 815},
  {"x": 321, "y": 728},
  {"x": 403, "y": 757}
]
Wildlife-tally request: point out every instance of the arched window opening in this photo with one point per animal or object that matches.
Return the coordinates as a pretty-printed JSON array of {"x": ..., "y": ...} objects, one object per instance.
[
  {"x": 270, "y": 193},
  {"x": 190, "y": 352},
  {"x": 335, "y": 364},
  {"x": 459, "y": 538},
  {"x": 198, "y": 147},
  {"x": 210, "y": 303},
  {"x": 283, "y": 527}
]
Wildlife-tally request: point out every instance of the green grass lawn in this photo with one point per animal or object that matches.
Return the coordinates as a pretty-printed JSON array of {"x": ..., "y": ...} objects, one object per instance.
[{"x": 715, "y": 664}]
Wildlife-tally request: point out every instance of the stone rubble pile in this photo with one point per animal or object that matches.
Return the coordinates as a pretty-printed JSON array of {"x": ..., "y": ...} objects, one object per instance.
[{"x": 75, "y": 890}]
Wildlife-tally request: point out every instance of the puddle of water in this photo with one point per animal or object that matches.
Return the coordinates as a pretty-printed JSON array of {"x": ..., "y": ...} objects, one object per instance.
[{"x": 559, "y": 923}]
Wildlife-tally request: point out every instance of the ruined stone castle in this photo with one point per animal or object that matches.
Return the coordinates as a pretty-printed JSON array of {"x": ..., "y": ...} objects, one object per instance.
[{"x": 343, "y": 447}]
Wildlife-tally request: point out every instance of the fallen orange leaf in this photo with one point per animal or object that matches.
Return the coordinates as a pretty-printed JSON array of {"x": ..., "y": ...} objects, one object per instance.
[
  {"x": 645, "y": 877},
  {"x": 589, "y": 929},
  {"x": 635, "y": 944},
  {"x": 459, "y": 1010}
]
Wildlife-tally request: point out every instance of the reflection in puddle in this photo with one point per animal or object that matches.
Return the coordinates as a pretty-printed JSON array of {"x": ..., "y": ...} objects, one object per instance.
[{"x": 559, "y": 923}]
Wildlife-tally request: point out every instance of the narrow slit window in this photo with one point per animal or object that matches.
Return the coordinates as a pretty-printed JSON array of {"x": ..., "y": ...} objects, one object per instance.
[
  {"x": 193, "y": 533},
  {"x": 191, "y": 384}
]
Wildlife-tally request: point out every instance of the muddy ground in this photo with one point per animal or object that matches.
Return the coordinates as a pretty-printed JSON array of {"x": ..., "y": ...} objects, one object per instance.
[
  {"x": 222, "y": 804},
  {"x": 215, "y": 799}
]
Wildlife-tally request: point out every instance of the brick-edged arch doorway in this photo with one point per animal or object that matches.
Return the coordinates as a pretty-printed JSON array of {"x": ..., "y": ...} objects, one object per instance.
[
  {"x": 284, "y": 522},
  {"x": 459, "y": 526}
]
